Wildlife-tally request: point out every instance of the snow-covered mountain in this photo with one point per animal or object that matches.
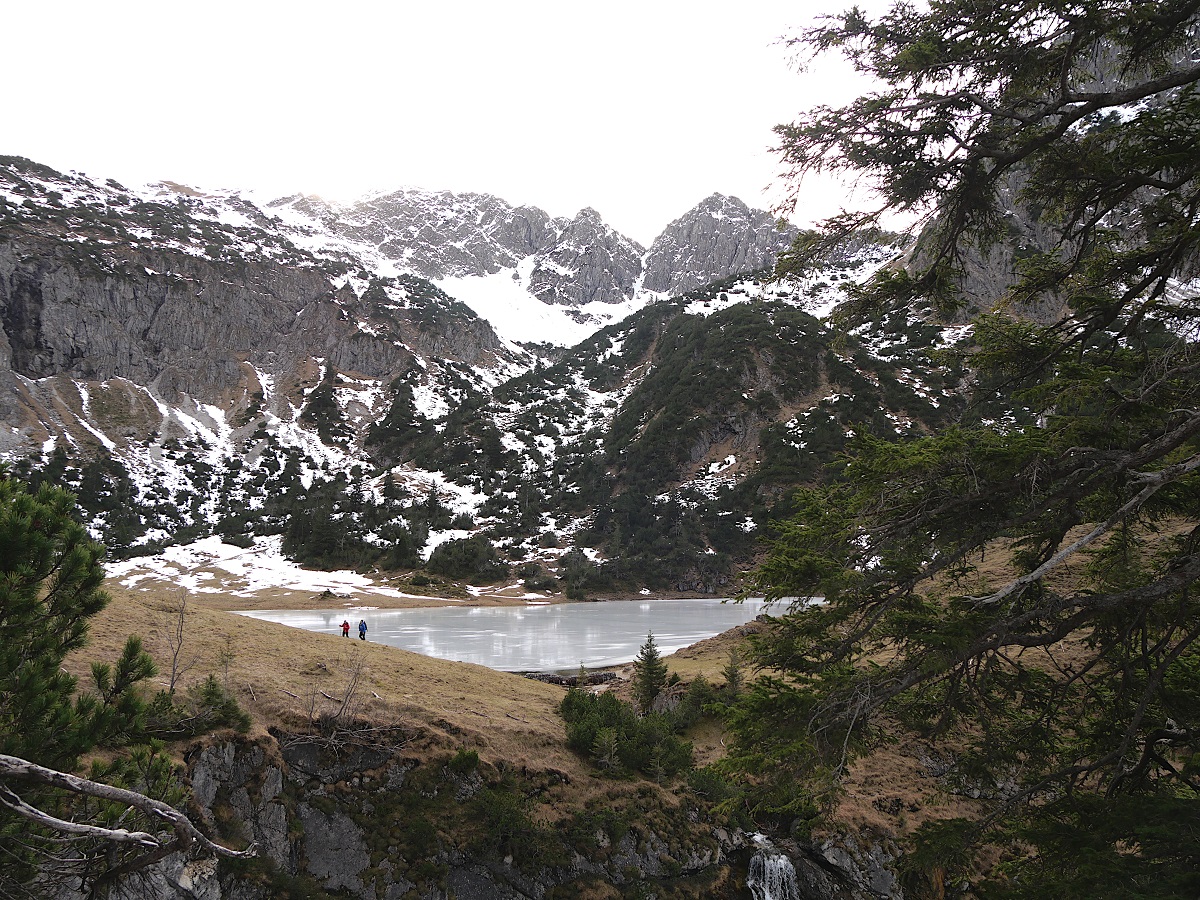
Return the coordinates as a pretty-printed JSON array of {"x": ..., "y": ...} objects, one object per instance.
[
  {"x": 422, "y": 370},
  {"x": 515, "y": 265}
]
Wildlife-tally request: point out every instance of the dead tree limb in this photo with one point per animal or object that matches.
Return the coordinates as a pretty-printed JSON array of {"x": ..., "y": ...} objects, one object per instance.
[{"x": 187, "y": 836}]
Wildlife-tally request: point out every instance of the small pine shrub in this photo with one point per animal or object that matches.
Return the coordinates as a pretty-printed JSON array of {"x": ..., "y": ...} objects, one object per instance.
[
  {"x": 206, "y": 707},
  {"x": 464, "y": 762},
  {"x": 609, "y": 731}
]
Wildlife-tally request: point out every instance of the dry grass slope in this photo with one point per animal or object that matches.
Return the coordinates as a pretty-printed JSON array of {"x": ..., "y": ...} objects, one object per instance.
[{"x": 287, "y": 677}]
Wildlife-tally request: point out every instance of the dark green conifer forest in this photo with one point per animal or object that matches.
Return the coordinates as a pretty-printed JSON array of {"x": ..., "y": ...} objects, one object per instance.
[{"x": 1068, "y": 689}]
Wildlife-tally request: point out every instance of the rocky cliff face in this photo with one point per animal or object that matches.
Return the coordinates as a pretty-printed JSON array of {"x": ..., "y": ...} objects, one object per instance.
[
  {"x": 720, "y": 237},
  {"x": 339, "y": 816},
  {"x": 363, "y": 818},
  {"x": 193, "y": 301},
  {"x": 986, "y": 273},
  {"x": 169, "y": 321},
  {"x": 188, "y": 330},
  {"x": 589, "y": 262}
]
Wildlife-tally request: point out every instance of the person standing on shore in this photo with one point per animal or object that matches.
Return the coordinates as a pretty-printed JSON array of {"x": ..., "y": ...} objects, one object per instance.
[{"x": 362, "y": 629}]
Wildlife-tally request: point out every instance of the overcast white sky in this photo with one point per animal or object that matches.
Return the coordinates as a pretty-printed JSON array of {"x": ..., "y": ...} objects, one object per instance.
[{"x": 639, "y": 109}]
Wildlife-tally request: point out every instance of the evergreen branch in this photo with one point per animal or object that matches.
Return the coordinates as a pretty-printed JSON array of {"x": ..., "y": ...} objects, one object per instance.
[
  {"x": 1010, "y": 632},
  {"x": 1149, "y": 693},
  {"x": 1153, "y": 481}
]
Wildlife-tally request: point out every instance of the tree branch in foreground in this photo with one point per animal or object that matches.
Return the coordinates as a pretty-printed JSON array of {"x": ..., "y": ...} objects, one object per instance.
[
  {"x": 187, "y": 836},
  {"x": 1152, "y": 480}
]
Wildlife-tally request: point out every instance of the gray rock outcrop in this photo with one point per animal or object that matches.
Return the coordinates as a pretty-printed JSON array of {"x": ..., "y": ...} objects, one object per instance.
[
  {"x": 721, "y": 236},
  {"x": 247, "y": 779},
  {"x": 590, "y": 262},
  {"x": 326, "y": 812},
  {"x": 436, "y": 234}
]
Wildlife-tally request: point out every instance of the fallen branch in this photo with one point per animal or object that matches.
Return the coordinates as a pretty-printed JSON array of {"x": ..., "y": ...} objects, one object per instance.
[
  {"x": 33, "y": 814},
  {"x": 289, "y": 693}
]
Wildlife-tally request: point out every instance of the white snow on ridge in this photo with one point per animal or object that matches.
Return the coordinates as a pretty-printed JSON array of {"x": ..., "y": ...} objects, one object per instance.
[
  {"x": 455, "y": 497},
  {"x": 440, "y": 537},
  {"x": 742, "y": 292},
  {"x": 429, "y": 401}
]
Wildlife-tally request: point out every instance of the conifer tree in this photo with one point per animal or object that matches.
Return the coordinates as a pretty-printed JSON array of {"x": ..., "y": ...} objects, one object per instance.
[
  {"x": 50, "y": 586},
  {"x": 322, "y": 411},
  {"x": 649, "y": 674},
  {"x": 1069, "y": 677},
  {"x": 734, "y": 675}
]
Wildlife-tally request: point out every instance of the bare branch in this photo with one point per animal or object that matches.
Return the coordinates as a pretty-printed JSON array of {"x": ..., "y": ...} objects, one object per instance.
[
  {"x": 187, "y": 836},
  {"x": 80, "y": 829},
  {"x": 173, "y": 634}
]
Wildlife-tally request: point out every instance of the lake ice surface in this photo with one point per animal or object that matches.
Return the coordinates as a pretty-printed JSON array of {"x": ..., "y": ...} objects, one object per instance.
[{"x": 556, "y": 637}]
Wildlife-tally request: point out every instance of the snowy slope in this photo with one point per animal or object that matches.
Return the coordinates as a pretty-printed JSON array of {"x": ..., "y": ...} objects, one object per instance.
[{"x": 285, "y": 376}]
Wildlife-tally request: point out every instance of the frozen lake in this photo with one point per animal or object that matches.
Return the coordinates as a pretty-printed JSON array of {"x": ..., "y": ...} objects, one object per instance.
[{"x": 551, "y": 638}]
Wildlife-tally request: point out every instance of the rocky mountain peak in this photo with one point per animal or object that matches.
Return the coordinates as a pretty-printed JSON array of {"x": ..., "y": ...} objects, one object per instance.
[
  {"x": 720, "y": 236},
  {"x": 589, "y": 262},
  {"x": 564, "y": 261},
  {"x": 589, "y": 213},
  {"x": 719, "y": 203},
  {"x": 434, "y": 234}
]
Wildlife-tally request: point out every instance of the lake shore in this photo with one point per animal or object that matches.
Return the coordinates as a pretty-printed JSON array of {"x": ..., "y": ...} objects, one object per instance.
[{"x": 223, "y": 577}]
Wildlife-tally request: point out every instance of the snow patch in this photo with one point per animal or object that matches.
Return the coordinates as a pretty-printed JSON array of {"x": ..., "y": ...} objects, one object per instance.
[
  {"x": 212, "y": 566},
  {"x": 520, "y": 317}
]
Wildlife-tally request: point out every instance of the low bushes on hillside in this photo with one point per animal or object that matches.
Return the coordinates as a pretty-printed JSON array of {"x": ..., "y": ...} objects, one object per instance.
[{"x": 609, "y": 731}]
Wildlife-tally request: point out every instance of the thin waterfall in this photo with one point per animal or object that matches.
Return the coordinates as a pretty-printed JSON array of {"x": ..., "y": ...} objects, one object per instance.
[{"x": 772, "y": 875}]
